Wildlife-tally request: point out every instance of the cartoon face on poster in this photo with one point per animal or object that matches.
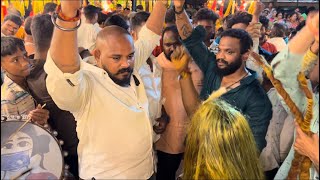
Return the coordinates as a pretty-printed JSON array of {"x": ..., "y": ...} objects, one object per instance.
[{"x": 32, "y": 151}]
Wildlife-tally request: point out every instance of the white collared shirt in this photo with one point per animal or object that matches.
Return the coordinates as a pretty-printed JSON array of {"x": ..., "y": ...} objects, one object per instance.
[
  {"x": 87, "y": 35},
  {"x": 113, "y": 126}
]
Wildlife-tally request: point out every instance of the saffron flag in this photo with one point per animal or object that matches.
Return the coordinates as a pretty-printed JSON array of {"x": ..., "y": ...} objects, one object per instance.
[
  {"x": 19, "y": 5},
  {"x": 228, "y": 8},
  {"x": 251, "y": 7},
  {"x": 37, "y": 7},
  {"x": 234, "y": 4}
]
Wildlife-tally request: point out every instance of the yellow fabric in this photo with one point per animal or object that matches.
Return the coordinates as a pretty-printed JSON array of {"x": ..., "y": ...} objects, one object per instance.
[
  {"x": 305, "y": 127},
  {"x": 5, "y": 3},
  {"x": 218, "y": 24},
  {"x": 91, "y": 2},
  {"x": 309, "y": 60},
  {"x": 19, "y": 5},
  {"x": 228, "y": 8},
  {"x": 251, "y": 7},
  {"x": 20, "y": 33},
  {"x": 233, "y": 7},
  {"x": 37, "y": 6}
]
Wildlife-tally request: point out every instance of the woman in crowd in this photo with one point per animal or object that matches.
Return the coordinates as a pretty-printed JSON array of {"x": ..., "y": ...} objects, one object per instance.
[
  {"x": 293, "y": 20},
  {"x": 221, "y": 145}
]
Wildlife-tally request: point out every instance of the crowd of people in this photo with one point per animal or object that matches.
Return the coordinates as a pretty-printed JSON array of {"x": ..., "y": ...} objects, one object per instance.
[{"x": 175, "y": 93}]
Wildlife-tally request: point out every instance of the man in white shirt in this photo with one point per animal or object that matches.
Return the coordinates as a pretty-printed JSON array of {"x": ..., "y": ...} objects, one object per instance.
[
  {"x": 88, "y": 31},
  {"x": 109, "y": 102}
]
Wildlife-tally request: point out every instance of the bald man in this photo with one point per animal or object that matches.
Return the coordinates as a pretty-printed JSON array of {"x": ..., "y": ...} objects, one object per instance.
[{"x": 108, "y": 102}]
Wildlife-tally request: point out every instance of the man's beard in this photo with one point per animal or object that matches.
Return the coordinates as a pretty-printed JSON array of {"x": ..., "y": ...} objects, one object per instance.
[
  {"x": 168, "y": 55},
  {"x": 230, "y": 67},
  {"x": 121, "y": 82}
]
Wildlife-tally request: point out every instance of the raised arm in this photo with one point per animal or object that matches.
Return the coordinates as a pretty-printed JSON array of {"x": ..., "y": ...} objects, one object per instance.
[
  {"x": 192, "y": 39},
  {"x": 303, "y": 40},
  {"x": 156, "y": 19},
  {"x": 66, "y": 83},
  {"x": 181, "y": 58},
  {"x": 288, "y": 63},
  {"x": 182, "y": 21},
  {"x": 64, "y": 48},
  {"x": 149, "y": 36}
]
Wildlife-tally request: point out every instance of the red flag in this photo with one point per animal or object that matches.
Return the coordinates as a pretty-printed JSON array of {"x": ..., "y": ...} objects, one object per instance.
[
  {"x": 214, "y": 6},
  {"x": 242, "y": 5},
  {"x": 3, "y": 12},
  {"x": 221, "y": 9}
]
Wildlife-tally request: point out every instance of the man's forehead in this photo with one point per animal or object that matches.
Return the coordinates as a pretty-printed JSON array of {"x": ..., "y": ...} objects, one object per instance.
[
  {"x": 11, "y": 23},
  {"x": 229, "y": 42},
  {"x": 240, "y": 26},
  {"x": 116, "y": 46}
]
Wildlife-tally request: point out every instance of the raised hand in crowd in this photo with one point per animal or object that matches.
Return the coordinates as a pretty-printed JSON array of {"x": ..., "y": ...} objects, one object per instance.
[
  {"x": 254, "y": 30},
  {"x": 259, "y": 7},
  {"x": 181, "y": 58},
  {"x": 69, "y": 8},
  {"x": 183, "y": 24}
]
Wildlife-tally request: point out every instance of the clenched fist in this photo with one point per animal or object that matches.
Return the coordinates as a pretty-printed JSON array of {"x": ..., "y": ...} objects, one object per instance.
[{"x": 180, "y": 59}]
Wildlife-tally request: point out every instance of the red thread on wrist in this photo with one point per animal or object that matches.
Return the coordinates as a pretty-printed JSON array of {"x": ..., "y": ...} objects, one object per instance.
[{"x": 63, "y": 17}]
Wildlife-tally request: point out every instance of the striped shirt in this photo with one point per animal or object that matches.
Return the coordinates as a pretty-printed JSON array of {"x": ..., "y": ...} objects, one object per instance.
[{"x": 14, "y": 99}]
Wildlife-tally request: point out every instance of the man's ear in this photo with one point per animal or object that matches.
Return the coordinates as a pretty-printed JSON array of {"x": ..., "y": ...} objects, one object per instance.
[
  {"x": 134, "y": 35},
  {"x": 97, "y": 54},
  {"x": 245, "y": 56}
]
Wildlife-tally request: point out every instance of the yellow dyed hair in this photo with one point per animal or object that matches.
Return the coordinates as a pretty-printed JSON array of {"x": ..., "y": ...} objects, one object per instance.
[{"x": 220, "y": 145}]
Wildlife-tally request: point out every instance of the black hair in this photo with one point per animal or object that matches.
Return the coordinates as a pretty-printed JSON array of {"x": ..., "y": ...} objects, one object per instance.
[
  {"x": 90, "y": 12},
  {"x": 118, "y": 21},
  {"x": 239, "y": 17},
  {"x": 10, "y": 45},
  {"x": 245, "y": 39},
  {"x": 140, "y": 7},
  {"x": 205, "y": 14},
  {"x": 170, "y": 16},
  {"x": 310, "y": 9},
  {"x": 278, "y": 30},
  {"x": 103, "y": 17},
  {"x": 294, "y": 13},
  {"x": 138, "y": 19},
  {"x": 227, "y": 18},
  {"x": 42, "y": 31},
  {"x": 172, "y": 28},
  {"x": 126, "y": 8},
  {"x": 301, "y": 25},
  {"x": 14, "y": 18},
  {"x": 118, "y": 5},
  {"x": 27, "y": 25},
  {"x": 278, "y": 12},
  {"x": 49, "y": 7},
  {"x": 264, "y": 21}
]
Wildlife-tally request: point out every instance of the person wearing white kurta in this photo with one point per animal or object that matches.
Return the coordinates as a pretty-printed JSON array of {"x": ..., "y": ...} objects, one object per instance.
[{"x": 113, "y": 126}]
